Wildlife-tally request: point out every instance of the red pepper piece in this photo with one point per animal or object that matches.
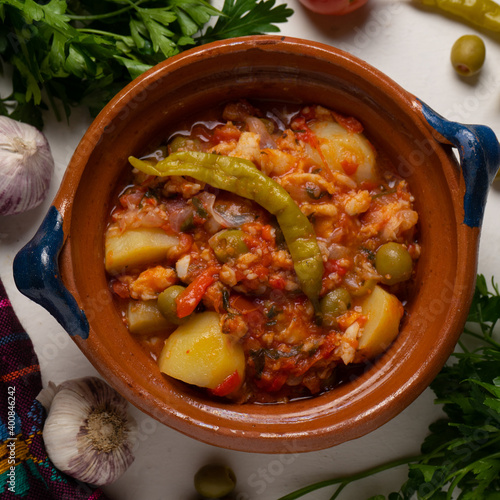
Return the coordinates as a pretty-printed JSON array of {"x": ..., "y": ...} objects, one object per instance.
[
  {"x": 333, "y": 266},
  {"x": 192, "y": 295},
  {"x": 228, "y": 385},
  {"x": 349, "y": 167}
]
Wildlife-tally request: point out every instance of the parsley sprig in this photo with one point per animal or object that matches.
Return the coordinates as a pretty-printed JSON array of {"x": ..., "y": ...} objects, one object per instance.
[
  {"x": 64, "y": 53},
  {"x": 460, "y": 458}
]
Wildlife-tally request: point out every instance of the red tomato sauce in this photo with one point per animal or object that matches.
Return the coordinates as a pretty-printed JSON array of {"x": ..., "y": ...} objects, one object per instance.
[{"x": 247, "y": 276}]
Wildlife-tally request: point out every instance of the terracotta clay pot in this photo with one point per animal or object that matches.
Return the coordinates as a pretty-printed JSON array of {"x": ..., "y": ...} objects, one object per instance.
[{"x": 62, "y": 268}]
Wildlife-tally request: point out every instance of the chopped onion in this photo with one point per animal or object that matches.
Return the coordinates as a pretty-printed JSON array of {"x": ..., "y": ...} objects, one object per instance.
[
  {"x": 178, "y": 217},
  {"x": 257, "y": 126},
  {"x": 226, "y": 219},
  {"x": 26, "y": 167},
  {"x": 337, "y": 251},
  {"x": 182, "y": 266}
]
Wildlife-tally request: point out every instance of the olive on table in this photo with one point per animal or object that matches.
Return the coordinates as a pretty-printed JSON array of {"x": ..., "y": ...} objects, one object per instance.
[
  {"x": 214, "y": 481},
  {"x": 167, "y": 303},
  {"x": 333, "y": 304},
  {"x": 468, "y": 54},
  {"x": 228, "y": 243},
  {"x": 393, "y": 262}
]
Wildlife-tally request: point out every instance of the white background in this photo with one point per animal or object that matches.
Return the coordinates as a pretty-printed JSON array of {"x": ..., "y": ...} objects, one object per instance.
[{"x": 411, "y": 45}]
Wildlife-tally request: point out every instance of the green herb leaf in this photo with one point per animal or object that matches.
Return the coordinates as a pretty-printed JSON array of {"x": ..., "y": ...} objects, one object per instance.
[
  {"x": 81, "y": 52},
  {"x": 246, "y": 17},
  {"x": 199, "y": 208}
]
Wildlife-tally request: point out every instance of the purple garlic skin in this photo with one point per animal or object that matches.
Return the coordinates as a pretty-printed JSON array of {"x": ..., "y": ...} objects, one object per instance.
[{"x": 88, "y": 433}]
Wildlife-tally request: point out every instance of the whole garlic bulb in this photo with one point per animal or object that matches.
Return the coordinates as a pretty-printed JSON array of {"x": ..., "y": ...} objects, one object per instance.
[
  {"x": 88, "y": 433},
  {"x": 26, "y": 166}
]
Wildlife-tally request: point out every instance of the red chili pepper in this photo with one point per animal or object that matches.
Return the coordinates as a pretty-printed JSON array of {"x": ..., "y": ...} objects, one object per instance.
[
  {"x": 192, "y": 295},
  {"x": 228, "y": 385}
]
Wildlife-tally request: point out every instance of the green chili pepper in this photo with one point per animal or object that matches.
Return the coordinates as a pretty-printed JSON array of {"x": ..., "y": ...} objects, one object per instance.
[
  {"x": 483, "y": 13},
  {"x": 243, "y": 178}
]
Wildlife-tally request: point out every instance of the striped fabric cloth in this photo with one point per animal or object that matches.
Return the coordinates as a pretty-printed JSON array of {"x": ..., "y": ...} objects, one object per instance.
[{"x": 25, "y": 469}]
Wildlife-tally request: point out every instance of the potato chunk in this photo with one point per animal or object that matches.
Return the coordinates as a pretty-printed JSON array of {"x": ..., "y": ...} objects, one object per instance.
[
  {"x": 199, "y": 353},
  {"x": 144, "y": 317},
  {"x": 345, "y": 151},
  {"x": 384, "y": 312},
  {"x": 136, "y": 247}
]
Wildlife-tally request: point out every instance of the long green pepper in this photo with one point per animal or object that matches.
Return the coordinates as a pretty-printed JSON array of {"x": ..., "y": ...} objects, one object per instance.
[
  {"x": 243, "y": 178},
  {"x": 482, "y": 13}
]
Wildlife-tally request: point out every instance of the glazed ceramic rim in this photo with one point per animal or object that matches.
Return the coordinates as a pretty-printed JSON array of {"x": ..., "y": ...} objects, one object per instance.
[{"x": 280, "y": 428}]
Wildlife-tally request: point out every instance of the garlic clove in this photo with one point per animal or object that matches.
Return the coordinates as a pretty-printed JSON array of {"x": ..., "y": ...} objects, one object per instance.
[
  {"x": 88, "y": 433},
  {"x": 26, "y": 166}
]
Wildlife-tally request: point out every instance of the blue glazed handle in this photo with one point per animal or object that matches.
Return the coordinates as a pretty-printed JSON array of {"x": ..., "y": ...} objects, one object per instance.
[
  {"x": 479, "y": 152},
  {"x": 36, "y": 274}
]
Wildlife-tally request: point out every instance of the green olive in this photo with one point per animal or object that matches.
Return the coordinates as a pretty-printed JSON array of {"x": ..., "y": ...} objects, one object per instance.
[
  {"x": 214, "y": 481},
  {"x": 468, "y": 54},
  {"x": 333, "y": 304},
  {"x": 394, "y": 263},
  {"x": 365, "y": 287},
  {"x": 228, "y": 243},
  {"x": 167, "y": 304},
  {"x": 183, "y": 143}
]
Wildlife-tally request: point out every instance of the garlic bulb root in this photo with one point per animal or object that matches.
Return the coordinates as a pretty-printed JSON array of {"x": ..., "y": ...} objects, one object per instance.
[{"x": 88, "y": 432}]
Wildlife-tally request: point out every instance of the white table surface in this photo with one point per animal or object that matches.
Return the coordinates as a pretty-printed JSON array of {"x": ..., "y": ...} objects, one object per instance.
[{"x": 412, "y": 47}]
